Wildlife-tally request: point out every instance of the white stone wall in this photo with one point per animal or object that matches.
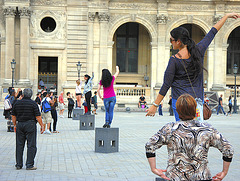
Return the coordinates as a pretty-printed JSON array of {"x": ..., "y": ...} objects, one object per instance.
[{"x": 85, "y": 31}]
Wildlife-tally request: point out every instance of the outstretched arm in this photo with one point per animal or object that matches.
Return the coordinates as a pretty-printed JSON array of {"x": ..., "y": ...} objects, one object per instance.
[
  {"x": 117, "y": 72},
  {"x": 220, "y": 23},
  {"x": 99, "y": 93}
]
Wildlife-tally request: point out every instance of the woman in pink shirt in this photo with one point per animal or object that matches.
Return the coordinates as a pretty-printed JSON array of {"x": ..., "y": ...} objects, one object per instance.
[{"x": 109, "y": 96}]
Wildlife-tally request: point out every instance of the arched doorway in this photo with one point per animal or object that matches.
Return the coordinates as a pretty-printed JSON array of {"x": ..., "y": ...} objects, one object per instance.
[
  {"x": 132, "y": 53},
  {"x": 233, "y": 51},
  {"x": 197, "y": 34}
]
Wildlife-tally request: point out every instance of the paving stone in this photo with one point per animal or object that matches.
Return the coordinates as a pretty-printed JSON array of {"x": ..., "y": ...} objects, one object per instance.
[{"x": 69, "y": 155}]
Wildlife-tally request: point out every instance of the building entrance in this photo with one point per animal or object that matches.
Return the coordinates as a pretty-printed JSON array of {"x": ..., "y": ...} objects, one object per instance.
[{"x": 48, "y": 73}]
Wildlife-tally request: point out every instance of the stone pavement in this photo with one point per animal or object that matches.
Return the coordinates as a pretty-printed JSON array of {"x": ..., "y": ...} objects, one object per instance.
[{"x": 69, "y": 155}]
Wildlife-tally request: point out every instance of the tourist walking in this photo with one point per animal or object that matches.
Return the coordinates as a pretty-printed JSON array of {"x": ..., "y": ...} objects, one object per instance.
[
  {"x": 61, "y": 105},
  {"x": 95, "y": 104},
  {"x": 109, "y": 96},
  {"x": 54, "y": 113},
  {"x": 88, "y": 91},
  {"x": 38, "y": 100},
  {"x": 220, "y": 105},
  {"x": 70, "y": 104},
  {"x": 160, "y": 113},
  {"x": 46, "y": 111},
  {"x": 25, "y": 115},
  {"x": 206, "y": 99},
  {"x": 188, "y": 142},
  {"x": 229, "y": 105},
  {"x": 78, "y": 93},
  {"x": 184, "y": 73}
]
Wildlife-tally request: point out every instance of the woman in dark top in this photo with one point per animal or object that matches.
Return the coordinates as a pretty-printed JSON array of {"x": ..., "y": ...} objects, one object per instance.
[
  {"x": 54, "y": 114},
  {"x": 191, "y": 57},
  {"x": 70, "y": 104}
]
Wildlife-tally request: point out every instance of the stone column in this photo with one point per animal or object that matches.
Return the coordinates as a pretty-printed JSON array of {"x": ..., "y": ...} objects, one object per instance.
[
  {"x": 90, "y": 64},
  {"x": 9, "y": 13},
  {"x": 210, "y": 66},
  {"x": 154, "y": 69},
  {"x": 103, "y": 59},
  {"x": 161, "y": 21},
  {"x": 219, "y": 71},
  {"x": 24, "y": 47},
  {"x": 110, "y": 54}
]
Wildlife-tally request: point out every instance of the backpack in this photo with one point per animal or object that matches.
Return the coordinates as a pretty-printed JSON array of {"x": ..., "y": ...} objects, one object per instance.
[
  {"x": 46, "y": 106},
  {"x": 70, "y": 102},
  {"x": 92, "y": 100},
  {"x": 7, "y": 104}
]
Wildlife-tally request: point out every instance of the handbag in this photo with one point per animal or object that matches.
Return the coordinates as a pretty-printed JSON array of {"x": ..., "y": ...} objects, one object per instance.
[{"x": 207, "y": 112}]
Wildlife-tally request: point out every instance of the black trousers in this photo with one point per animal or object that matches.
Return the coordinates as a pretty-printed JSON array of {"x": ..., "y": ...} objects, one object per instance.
[
  {"x": 26, "y": 131},
  {"x": 54, "y": 116},
  {"x": 70, "y": 108},
  {"x": 88, "y": 96},
  {"x": 230, "y": 108}
]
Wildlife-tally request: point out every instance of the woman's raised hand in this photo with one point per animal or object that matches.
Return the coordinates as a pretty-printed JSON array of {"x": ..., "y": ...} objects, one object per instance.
[{"x": 233, "y": 15}]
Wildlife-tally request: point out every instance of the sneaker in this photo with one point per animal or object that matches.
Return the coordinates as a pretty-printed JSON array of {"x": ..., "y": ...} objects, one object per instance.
[
  {"x": 108, "y": 125},
  {"x": 48, "y": 132},
  {"x": 105, "y": 125},
  {"x": 18, "y": 168},
  {"x": 32, "y": 168}
]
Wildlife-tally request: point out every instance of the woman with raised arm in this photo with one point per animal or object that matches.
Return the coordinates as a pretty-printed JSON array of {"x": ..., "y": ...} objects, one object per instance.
[
  {"x": 184, "y": 73},
  {"x": 109, "y": 96},
  {"x": 88, "y": 91}
]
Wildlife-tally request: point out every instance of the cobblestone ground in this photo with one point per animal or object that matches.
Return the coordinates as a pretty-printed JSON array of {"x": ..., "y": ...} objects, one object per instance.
[{"x": 69, "y": 155}]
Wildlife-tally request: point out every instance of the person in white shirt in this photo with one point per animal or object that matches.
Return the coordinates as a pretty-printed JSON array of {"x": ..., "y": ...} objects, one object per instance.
[
  {"x": 47, "y": 118},
  {"x": 78, "y": 93}
]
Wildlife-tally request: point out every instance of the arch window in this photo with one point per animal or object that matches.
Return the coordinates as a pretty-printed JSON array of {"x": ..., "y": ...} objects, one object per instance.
[
  {"x": 233, "y": 51},
  {"x": 127, "y": 47}
]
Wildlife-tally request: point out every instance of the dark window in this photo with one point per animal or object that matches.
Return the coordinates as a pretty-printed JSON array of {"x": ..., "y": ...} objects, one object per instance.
[
  {"x": 48, "y": 24},
  {"x": 47, "y": 64},
  {"x": 127, "y": 47},
  {"x": 233, "y": 51}
]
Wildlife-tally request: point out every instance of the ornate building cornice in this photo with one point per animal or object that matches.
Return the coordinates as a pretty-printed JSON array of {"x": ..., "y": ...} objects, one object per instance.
[
  {"x": 216, "y": 18},
  {"x": 9, "y": 11},
  {"x": 162, "y": 19},
  {"x": 24, "y": 12},
  {"x": 48, "y": 2},
  {"x": 103, "y": 17},
  {"x": 91, "y": 16}
]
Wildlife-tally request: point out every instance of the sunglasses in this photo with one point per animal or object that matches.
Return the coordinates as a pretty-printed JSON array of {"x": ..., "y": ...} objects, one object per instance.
[{"x": 171, "y": 40}]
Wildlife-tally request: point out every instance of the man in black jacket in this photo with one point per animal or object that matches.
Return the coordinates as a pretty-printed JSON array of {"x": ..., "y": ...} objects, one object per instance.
[{"x": 27, "y": 114}]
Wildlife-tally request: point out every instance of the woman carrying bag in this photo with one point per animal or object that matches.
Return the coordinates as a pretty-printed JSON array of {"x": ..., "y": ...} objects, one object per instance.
[{"x": 184, "y": 73}]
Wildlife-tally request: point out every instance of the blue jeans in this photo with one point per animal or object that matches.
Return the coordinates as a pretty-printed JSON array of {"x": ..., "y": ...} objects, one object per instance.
[
  {"x": 109, "y": 104},
  {"x": 220, "y": 107},
  {"x": 160, "y": 110},
  {"x": 175, "y": 110}
]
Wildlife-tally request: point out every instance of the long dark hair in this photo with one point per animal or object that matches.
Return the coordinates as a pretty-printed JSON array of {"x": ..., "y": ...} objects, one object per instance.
[
  {"x": 106, "y": 78},
  {"x": 230, "y": 97},
  {"x": 88, "y": 77},
  {"x": 195, "y": 67}
]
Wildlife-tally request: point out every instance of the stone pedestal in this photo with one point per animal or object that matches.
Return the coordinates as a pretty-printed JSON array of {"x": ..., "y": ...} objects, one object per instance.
[
  {"x": 77, "y": 113},
  {"x": 87, "y": 122},
  {"x": 106, "y": 140}
]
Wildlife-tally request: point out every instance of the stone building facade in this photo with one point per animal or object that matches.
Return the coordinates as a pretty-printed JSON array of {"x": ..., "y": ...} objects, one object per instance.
[{"x": 47, "y": 38}]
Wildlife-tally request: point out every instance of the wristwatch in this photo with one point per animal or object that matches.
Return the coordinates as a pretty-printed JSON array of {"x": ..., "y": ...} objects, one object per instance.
[{"x": 156, "y": 105}]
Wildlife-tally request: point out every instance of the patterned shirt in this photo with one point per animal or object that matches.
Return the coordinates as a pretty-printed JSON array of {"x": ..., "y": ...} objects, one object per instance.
[
  {"x": 188, "y": 143},
  {"x": 176, "y": 77}
]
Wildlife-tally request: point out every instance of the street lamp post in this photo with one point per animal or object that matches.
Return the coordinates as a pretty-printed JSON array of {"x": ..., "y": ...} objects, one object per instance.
[
  {"x": 79, "y": 69},
  {"x": 235, "y": 71},
  {"x": 13, "y": 65}
]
